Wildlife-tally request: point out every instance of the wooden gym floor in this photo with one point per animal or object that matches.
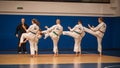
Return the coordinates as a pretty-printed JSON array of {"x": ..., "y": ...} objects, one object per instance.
[{"x": 61, "y": 61}]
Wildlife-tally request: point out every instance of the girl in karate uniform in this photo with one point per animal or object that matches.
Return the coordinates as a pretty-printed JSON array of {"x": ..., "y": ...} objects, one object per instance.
[{"x": 32, "y": 37}]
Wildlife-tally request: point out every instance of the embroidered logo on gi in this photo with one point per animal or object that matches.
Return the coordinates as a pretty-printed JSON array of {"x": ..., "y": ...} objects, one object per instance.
[
  {"x": 57, "y": 29},
  {"x": 79, "y": 28},
  {"x": 35, "y": 28}
]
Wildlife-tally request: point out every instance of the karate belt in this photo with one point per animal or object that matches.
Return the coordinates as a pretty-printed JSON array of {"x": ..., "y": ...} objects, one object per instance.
[
  {"x": 77, "y": 32},
  {"x": 101, "y": 31},
  {"x": 55, "y": 33},
  {"x": 32, "y": 32}
]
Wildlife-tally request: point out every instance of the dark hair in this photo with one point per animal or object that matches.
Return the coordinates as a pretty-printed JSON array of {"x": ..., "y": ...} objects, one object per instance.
[
  {"x": 80, "y": 21},
  {"x": 101, "y": 18},
  {"x": 36, "y": 21}
]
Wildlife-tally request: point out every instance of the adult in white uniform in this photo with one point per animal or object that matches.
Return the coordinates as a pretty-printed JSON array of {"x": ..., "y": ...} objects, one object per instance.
[
  {"x": 54, "y": 32},
  {"x": 98, "y": 32},
  {"x": 31, "y": 35},
  {"x": 77, "y": 32}
]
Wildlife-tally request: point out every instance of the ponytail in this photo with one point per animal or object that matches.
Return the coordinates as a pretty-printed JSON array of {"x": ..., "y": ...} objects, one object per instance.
[{"x": 36, "y": 22}]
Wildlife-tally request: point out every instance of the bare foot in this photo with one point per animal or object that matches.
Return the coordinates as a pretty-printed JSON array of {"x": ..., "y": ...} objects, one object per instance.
[
  {"x": 77, "y": 54},
  {"x": 56, "y": 54},
  {"x": 32, "y": 56},
  {"x": 36, "y": 55},
  {"x": 80, "y": 53},
  {"x": 100, "y": 54}
]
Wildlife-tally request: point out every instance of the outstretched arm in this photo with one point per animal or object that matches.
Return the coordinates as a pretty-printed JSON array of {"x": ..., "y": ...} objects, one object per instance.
[
  {"x": 97, "y": 27},
  {"x": 91, "y": 27},
  {"x": 69, "y": 28},
  {"x": 51, "y": 28},
  {"x": 72, "y": 29},
  {"x": 30, "y": 28},
  {"x": 46, "y": 27}
]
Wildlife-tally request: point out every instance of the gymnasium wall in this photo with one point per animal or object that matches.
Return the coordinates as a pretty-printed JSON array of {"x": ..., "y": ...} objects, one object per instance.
[
  {"x": 8, "y": 24},
  {"x": 60, "y": 8},
  {"x": 68, "y": 13}
]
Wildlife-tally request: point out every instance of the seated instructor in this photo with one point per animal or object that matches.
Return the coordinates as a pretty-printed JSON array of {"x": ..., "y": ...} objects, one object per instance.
[{"x": 19, "y": 30}]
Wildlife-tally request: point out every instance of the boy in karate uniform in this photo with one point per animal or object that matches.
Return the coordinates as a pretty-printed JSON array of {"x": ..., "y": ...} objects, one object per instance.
[
  {"x": 77, "y": 32},
  {"x": 54, "y": 32},
  {"x": 98, "y": 32}
]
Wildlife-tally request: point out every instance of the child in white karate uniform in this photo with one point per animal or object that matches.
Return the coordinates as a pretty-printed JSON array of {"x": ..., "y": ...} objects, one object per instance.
[
  {"x": 32, "y": 36},
  {"x": 77, "y": 32},
  {"x": 98, "y": 32},
  {"x": 54, "y": 32}
]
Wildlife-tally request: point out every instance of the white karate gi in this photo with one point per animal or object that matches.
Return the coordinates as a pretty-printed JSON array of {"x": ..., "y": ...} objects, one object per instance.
[
  {"x": 77, "y": 33},
  {"x": 98, "y": 31},
  {"x": 36, "y": 40},
  {"x": 54, "y": 32},
  {"x": 32, "y": 36}
]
